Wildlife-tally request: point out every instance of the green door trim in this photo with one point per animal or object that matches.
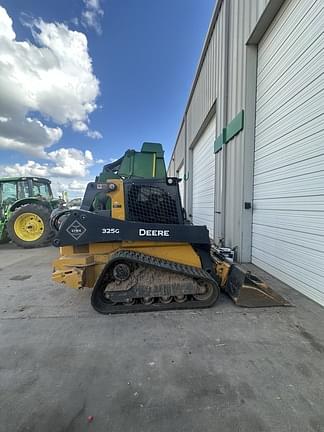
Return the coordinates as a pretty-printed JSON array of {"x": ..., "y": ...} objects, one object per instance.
[{"x": 234, "y": 127}]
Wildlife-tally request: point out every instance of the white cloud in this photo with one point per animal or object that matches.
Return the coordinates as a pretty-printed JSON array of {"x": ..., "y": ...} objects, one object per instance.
[
  {"x": 78, "y": 186},
  {"x": 92, "y": 14},
  {"x": 27, "y": 135},
  {"x": 65, "y": 162},
  {"x": 68, "y": 170},
  {"x": 6, "y": 29},
  {"x": 52, "y": 77},
  {"x": 75, "y": 188},
  {"x": 31, "y": 168},
  {"x": 94, "y": 4},
  {"x": 94, "y": 134},
  {"x": 79, "y": 126},
  {"x": 71, "y": 162}
]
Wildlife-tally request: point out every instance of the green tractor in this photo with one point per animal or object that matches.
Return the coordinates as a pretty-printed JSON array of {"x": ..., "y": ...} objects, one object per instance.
[{"x": 26, "y": 204}]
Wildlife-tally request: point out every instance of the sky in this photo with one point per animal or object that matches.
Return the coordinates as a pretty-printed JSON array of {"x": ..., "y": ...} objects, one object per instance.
[{"x": 82, "y": 81}]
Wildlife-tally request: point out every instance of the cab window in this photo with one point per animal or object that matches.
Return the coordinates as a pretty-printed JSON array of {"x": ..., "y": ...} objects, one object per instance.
[
  {"x": 41, "y": 189},
  {"x": 23, "y": 191},
  {"x": 9, "y": 191}
]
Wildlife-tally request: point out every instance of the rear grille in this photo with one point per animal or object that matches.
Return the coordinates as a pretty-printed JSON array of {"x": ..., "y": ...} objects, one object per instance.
[{"x": 151, "y": 204}]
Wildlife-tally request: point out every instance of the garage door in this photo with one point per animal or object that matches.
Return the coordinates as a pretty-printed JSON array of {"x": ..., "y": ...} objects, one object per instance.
[
  {"x": 203, "y": 179},
  {"x": 181, "y": 184},
  {"x": 288, "y": 207}
]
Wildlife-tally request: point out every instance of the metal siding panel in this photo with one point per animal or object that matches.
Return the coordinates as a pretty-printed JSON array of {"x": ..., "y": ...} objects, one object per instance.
[
  {"x": 233, "y": 192},
  {"x": 204, "y": 94},
  {"x": 218, "y": 195},
  {"x": 171, "y": 170},
  {"x": 180, "y": 175},
  {"x": 234, "y": 173},
  {"x": 209, "y": 84},
  {"x": 179, "y": 152},
  {"x": 219, "y": 70},
  {"x": 210, "y": 88},
  {"x": 203, "y": 175},
  {"x": 243, "y": 18},
  {"x": 288, "y": 206}
]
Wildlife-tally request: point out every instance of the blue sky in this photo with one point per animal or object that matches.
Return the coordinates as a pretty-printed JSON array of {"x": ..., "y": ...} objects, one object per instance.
[{"x": 144, "y": 55}]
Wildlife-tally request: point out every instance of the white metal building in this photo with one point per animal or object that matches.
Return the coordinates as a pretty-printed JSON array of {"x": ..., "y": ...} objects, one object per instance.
[{"x": 251, "y": 144}]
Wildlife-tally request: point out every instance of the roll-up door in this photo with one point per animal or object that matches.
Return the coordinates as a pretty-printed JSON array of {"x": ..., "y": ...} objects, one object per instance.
[
  {"x": 203, "y": 179},
  {"x": 288, "y": 205}
]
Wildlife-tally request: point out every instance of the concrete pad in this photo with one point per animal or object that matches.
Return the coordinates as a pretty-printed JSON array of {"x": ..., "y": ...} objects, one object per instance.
[{"x": 222, "y": 369}]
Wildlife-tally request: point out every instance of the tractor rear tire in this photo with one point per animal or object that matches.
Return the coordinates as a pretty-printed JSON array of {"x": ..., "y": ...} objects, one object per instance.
[{"x": 29, "y": 226}]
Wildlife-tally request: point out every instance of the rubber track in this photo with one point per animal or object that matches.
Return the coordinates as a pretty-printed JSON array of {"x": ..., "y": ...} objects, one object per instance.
[{"x": 102, "y": 306}]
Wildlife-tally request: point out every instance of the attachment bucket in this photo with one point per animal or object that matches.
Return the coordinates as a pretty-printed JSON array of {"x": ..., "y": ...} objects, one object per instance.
[{"x": 248, "y": 290}]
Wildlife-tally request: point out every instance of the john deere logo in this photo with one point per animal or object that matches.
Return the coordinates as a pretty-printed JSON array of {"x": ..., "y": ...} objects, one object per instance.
[{"x": 76, "y": 230}]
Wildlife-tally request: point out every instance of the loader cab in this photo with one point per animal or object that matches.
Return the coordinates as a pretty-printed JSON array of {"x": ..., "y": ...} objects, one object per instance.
[{"x": 149, "y": 195}]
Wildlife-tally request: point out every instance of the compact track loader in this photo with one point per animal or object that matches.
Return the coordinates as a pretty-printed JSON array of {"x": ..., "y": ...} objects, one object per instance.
[{"x": 130, "y": 241}]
